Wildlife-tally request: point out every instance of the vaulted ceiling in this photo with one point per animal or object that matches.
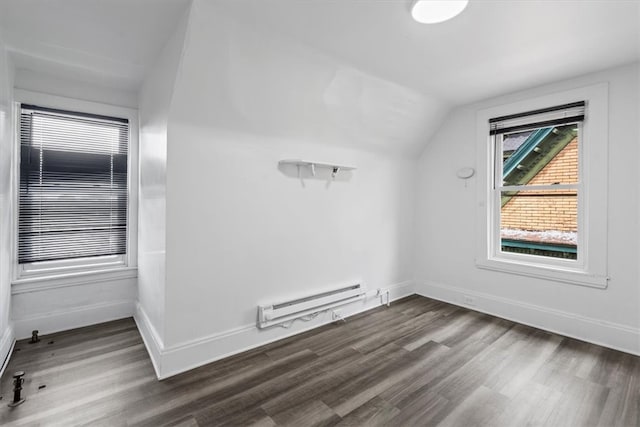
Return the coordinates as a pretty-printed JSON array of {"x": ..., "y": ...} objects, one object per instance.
[
  {"x": 492, "y": 47},
  {"x": 107, "y": 42},
  {"x": 383, "y": 63}
]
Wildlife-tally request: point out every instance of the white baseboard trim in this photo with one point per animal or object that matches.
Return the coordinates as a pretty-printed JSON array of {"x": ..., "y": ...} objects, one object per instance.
[
  {"x": 151, "y": 339},
  {"x": 607, "y": 334},
  {"x": 73, "y": 318},
  {"x": 7, "y": 341},
  {"x": 192, "y": 354},
  {"x": 401, "y": 290}
]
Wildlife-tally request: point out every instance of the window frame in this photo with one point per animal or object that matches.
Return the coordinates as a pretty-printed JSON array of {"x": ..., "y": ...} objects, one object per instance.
[
  {"x": 77, "y": 268},
  {"x": 591, "y": 267}
]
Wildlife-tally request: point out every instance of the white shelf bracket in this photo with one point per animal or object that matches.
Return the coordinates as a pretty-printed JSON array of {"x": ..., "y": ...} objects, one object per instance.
[{"x": 335, "y": 169}]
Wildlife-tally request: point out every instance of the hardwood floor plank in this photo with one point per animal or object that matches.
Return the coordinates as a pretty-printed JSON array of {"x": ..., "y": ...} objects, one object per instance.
[
  {"x": 380, "y": 378},
  {"x": 310, "y": 413},
  {"x": 524, "y": 365},
  {"x": 478, "y": 409},
  {"x": 423, "y": 407},
  {"x": 375, "y": 412},
  {"x": 69, "y": 409},
  {"x": 581, "y": 404},
  {"x": 408, "y": 326},
  {"x": 314, "y": 387},
  {"x": 531, "y": 406},
  {"x": 252, "y": 417},
  {"x": 186, "y": 422},
  {"x": 227, "y": 399},
  {"x": 622, "y": 407}
]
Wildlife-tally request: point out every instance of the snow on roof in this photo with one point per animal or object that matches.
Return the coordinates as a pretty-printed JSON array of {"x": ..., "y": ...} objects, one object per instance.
[
  {"x": 513, "y": 141},
  {"x": 548, "y": 236}
]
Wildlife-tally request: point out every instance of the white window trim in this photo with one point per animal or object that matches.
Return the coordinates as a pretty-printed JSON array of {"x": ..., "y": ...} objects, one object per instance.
[
  {"x": 592, "y": 208},
  {"x": 77, "y": 272},
  {"x": 76, "y": 278},
  {"x": 71, "y": 265}
]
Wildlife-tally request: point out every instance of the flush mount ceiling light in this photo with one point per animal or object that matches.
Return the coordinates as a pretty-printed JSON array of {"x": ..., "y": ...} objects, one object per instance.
[{"x": 434, "y": 11}]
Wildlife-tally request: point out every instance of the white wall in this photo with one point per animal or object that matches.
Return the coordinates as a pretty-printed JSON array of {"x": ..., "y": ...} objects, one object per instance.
[
  {"x": 154, "y": 103},
  {"x": 446, "y": 228},
  {"x": 247, "y": 233},
  {"x": 52, "y": 308},
  {"x": 6, "y": 205},
  {"x": 241, "y": 231}
]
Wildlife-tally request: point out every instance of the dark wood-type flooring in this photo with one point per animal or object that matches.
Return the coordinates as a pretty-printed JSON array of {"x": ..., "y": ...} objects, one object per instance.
[{"x": 418, "y": 362}]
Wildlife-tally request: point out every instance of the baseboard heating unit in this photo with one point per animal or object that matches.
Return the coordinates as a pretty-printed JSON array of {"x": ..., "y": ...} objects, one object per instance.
[{"x": 288, "y": 311}]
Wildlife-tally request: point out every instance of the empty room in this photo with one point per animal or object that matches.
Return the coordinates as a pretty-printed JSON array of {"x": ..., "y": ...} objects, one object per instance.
[{"x": 320, "y": 212}]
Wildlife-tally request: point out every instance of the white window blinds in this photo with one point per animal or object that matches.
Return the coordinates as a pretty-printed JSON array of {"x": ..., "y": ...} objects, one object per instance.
[{"x": 73, "y": 185}]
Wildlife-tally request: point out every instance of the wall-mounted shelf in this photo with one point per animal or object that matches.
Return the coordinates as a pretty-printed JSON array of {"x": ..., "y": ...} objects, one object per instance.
[{"x": 313, "y": 165}]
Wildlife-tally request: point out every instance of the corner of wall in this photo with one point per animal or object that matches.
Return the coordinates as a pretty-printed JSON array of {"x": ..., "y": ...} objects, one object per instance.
[
  {"x": 155, "y": 100},
  {"x": 7, "y": 336},
  {"x": 151, "y": 338},
  {"x": 596, "y": 331},
  {"x": 7, "y": 341},
  {"x": 173, "y": 360}
]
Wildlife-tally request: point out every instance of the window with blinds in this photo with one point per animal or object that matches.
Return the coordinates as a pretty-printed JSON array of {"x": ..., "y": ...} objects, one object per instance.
[
  {"x": 73, "y": 185},
  {"x": 537, "y": 184}
]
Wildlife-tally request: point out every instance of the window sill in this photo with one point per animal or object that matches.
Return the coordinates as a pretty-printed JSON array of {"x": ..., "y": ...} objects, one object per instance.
[
  {"x": 551, "y": 273},
  {"x": 53, "y": 281}
]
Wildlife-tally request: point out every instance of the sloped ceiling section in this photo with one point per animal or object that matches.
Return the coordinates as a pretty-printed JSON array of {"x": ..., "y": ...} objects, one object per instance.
[
  {"x": 493, "y": 47},
  {"x": 108, "y": 43},
  {"x": 364, "y": 73},
  {"x": 343, "y": 72},
  {"x": 244, "y": 78}
]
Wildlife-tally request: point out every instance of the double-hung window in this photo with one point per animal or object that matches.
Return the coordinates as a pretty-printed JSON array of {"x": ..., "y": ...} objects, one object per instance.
[
  {"x": 73, "y": 190},
  {"x": 542, "y": 187},
  {"x": 537, "y": 185}
]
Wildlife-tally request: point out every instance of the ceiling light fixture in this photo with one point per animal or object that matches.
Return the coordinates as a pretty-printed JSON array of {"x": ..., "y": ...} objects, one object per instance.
[{"x": 434, "y": 11}]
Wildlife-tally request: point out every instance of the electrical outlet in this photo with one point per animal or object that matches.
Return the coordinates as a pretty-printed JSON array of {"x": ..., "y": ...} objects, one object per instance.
[
  {"x": 468, "y": 300},
  {"x": 336, "y": 315}
]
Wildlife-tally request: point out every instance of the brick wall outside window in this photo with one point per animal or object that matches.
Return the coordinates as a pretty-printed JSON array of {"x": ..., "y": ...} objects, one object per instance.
[{"x": 547, "y": 213}]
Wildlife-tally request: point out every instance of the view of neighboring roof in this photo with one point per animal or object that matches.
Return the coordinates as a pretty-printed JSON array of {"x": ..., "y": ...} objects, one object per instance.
[
  {"x": 535, "y": 150},
  {"x": 539, "y": 225},
  {"x": 513, "y": 141}
]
